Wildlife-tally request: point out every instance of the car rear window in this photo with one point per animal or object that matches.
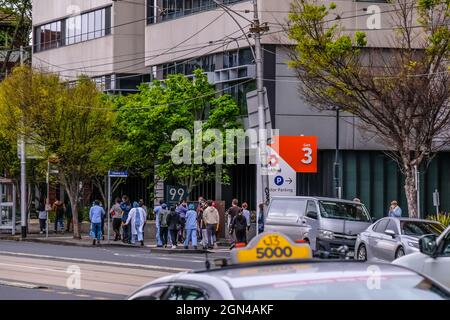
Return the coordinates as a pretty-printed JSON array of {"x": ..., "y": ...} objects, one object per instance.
[{"x": 420, "y": 228}]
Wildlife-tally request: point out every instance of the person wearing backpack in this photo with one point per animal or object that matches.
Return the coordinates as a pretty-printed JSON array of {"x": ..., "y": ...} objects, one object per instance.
[
  {"x": 163, "y": 227},
  {"x": 239, "y": 226},
  {"x": 137, "y": 219},
  {"x": 173, "y": 222}
]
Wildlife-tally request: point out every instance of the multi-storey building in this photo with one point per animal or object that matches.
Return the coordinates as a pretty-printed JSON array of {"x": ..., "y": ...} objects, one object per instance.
[{"x": 155, "y": 38}]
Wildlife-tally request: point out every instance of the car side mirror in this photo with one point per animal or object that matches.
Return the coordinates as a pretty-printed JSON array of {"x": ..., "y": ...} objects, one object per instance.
[
  {"x": 312, "y": 214},
  {"x": 390, "y": 232},
  {"x": 428, "y": 245}
]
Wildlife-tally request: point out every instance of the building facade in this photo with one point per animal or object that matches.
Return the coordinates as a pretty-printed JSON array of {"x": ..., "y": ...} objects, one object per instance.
[{"x": 178, "y": 36}]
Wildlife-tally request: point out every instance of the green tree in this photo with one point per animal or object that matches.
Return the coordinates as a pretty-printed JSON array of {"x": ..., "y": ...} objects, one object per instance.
[
  {"x": 400, "y": 94},
  {"x": 148, "y": 119},
  {"x": 18, "y": 33},
  {"x": 72, "y": 122}
]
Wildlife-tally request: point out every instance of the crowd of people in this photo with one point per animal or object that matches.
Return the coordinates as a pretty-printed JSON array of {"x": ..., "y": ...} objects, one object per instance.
[{"x": 186, "y": 224}]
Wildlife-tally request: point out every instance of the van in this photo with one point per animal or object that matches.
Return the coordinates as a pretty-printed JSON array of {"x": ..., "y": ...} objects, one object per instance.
[{"x": 325, "y": 223}]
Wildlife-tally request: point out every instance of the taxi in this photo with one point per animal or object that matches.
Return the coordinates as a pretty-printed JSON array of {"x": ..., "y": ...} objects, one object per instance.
[{"x": 272, "y": 267}]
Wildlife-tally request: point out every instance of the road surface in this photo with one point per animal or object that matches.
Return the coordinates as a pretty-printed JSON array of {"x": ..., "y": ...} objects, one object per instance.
[{"x": 44, "y": 271}]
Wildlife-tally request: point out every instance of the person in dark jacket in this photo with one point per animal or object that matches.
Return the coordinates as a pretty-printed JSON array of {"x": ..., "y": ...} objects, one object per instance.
[
  {"x": 239, "y": 226},
  {"x": 126, "y": 207},
  {"x": 173, "y": 221}
]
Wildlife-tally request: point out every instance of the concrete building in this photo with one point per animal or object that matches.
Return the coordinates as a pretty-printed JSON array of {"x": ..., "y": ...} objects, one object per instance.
[
  {"x": 178, "y": 36},
  {"x": 100, "y": 38}
]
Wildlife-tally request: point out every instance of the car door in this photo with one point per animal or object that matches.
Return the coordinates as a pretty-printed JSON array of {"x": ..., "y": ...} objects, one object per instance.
[
  {"x": 387, "y": 245},
  {"x": 439, "y": 268},
  {"x": 375, "y": 237}
]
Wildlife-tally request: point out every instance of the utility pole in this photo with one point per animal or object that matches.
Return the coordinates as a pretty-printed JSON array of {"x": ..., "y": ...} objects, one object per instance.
[
  {"x": 23, "y": 177},
  {"x": 256, "y": 29},
  {"x": 337, "y": 186}
]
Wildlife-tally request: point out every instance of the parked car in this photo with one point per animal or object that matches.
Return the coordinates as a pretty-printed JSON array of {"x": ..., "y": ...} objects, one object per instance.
[
  {"x": 391, "y": 238},
  {"x": 433, "y": 259},
  {"x": 326, "y": 224}
]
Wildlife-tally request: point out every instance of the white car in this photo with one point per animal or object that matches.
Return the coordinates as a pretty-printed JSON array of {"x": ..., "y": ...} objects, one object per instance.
[{"x": 433, "y": 259}]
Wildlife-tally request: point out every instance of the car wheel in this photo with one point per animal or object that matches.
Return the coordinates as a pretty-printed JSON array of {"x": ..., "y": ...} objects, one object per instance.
[
  {"x": 400, "y": 253},
  {"x": 361, "y": 255}
]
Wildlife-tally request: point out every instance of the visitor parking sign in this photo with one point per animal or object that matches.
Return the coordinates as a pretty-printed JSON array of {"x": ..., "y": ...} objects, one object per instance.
[{"x": 287, "y": 156}]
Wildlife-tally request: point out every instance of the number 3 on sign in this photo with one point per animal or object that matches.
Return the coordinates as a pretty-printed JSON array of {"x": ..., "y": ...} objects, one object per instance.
[{"x": 307, "y": 155}]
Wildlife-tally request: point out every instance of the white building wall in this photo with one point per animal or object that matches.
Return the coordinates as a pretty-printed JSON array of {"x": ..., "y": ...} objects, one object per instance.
[{"x": 119, "y": 52}]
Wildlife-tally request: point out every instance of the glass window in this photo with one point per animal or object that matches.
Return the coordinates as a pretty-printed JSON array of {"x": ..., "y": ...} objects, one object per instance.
[
  {"x": 103, "y": 24},
  {"x": 84, "y": 27},
  {"x": 311, "y": 207},
  {"x": 70, "y": 30},
  {"x": 381, "y": 226},
  {"x": 77, "y": 31},
  {"x": 186, "y": 293},
  {"x": 287, "y": 208},
  {"x": 91, "y": 25},
  {"x": 98, "y": 23},
  {"x": 446, "y": 246},
  {"x": 392, "y": 226},
  {"x": 153, "y": 293},
  {"x": 342, "y": 210},
  {"x": 420, "y": 228}
]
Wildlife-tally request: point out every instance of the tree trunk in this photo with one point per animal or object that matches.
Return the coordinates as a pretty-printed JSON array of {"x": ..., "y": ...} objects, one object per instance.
[
  {"x": 74, "y": 203},
  {"x": 411, "y": 192}
]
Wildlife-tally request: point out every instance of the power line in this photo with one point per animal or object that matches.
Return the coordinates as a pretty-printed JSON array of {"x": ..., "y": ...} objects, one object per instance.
[
  {"x": 174, "y": 102},
  {"x": 193, "y": 58}
]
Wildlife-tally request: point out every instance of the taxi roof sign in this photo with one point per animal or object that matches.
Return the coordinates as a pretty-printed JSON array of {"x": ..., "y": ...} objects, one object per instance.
[{"x": 271, "y": 246}]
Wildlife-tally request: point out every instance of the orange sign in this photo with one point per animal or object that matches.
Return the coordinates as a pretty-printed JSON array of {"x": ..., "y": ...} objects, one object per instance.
[{"x": 300, "y": 152}]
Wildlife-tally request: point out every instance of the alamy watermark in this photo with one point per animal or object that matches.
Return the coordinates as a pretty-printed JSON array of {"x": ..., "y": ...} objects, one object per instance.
[{"x": 214, "y": 146}]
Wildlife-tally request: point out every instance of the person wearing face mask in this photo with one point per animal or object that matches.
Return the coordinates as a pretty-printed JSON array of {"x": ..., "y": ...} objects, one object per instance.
[
  {"x": 126, "y": 207},
  {"x": 136, "y": 220},
  {"x": 395, "y": 211},
  {"x": 239, "y": 227}
]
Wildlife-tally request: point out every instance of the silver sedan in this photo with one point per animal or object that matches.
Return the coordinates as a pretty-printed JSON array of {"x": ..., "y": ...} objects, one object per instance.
[{"x": 390, "y": 238}]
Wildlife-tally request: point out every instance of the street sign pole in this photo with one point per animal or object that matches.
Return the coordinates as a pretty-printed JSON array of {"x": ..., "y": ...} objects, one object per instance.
[
  {"x": 436, "y": 200},
  {"x": 47, "y": 202},
  {"x": 23, "y": 177},
  {"x": 109, "y": 205}
]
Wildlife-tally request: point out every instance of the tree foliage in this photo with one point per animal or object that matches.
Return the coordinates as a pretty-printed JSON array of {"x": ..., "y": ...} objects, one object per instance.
[
  {"x": 71, "y": 122},
  {"x": 148, "y": 119},
  {"x": 400, "y": 94}
]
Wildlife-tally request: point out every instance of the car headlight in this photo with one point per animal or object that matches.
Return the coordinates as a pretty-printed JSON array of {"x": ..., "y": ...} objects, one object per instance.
[
  {"x": 325, "y": 234},
  {"x": 413, "y": 244}
]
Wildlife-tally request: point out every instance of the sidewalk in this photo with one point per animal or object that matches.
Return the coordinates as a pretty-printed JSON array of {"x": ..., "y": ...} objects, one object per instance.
[{"x": 68, "y": 240}]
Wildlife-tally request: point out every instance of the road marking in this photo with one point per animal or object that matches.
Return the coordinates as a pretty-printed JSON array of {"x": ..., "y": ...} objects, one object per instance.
[
  {"x": 101, "y": 298},
  {"x": 21, "y": 285},
  {"x": 30, "y": 267},
  {"x": 98, "y": 262},
  {"x": 83, "y": 295},
  {"x": 63, "y": 292}
]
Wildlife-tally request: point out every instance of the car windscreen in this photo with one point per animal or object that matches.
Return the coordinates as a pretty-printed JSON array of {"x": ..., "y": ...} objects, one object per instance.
[
  {"x": 343, "y": 210},
  {"x": 358, "y": 287},
  {"x": 420, "y": 228}
]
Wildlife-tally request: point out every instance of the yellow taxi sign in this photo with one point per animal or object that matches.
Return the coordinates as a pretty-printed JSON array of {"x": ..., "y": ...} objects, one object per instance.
[{"x": 271, "y": 246}]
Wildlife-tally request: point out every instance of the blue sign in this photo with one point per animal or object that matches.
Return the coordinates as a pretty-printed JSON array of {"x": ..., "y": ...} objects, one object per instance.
[
  {"x": 279, "y": 180},
  {"x": 118, "y": 174}
]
